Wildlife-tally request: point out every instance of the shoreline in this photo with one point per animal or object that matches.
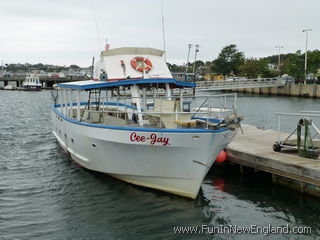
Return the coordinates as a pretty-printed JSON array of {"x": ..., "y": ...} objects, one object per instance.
[{"x": 289, "y": 90}]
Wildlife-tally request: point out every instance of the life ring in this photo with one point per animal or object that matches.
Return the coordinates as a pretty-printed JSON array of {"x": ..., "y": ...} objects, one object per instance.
[{"x": 147, "y": 64}]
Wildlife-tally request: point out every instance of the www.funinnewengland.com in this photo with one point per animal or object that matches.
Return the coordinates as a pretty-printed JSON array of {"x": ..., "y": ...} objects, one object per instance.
[{"x": 235, "y": 229}]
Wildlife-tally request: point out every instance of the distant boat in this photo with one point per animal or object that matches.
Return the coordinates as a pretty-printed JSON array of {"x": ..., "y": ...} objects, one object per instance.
[
  {"x": 9, "y": 87},
  {"x": 32, "y": 83},
  {"x": 148, "y": 141}
]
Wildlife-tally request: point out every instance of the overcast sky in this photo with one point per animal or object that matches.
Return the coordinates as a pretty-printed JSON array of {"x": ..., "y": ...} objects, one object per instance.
[{"x": 65, "y": 32}]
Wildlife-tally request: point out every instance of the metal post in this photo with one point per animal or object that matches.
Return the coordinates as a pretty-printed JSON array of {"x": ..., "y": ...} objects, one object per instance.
[
  {"x": 195, "y": 59},
  {"x": 71, "y": 103},
  {"x": 65, "y": 102},
  {"x": 189, "y": 48},
  {"x": 61, "y": 100},
  {"x": 117, "y": 106},
  {"x": 207, "y": 117},
  {"x": 78, "y": 105},
  {"x": 306, "y": 54},
  {"x": 68, "y": 102},
  {"x": 279, "y": 47},
  {"x": 279, "y": 128},
  {"x": 107, "y": 102},
  {"x": 160, "y": 112},
  {"x": 168, "y": 91},
  {"x": 144, "y": 99},
  {"x": 181, "y": 100},
  {"x": 135, "y": 94}
]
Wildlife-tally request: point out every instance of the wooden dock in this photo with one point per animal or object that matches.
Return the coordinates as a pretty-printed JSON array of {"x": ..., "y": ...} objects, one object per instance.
[{"x": 254, "y": 150}]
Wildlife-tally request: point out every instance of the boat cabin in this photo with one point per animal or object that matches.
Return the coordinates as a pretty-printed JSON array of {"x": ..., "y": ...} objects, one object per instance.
[
  {"x": 133, "y": 87},
  {"x": 32, "y": 82}
]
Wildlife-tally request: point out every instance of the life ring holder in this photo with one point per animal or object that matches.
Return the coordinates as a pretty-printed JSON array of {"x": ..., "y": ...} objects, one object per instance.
[{"x": 147, "y": 67}]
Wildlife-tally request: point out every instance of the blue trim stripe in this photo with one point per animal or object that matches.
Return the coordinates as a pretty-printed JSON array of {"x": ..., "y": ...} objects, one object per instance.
[
  {"x": 140, "y": 129},
  {"x": 104, "y": 103},
  {"x": 126, "y": 83}
]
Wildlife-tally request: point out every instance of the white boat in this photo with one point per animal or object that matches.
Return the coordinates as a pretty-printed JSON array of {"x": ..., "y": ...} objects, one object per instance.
[
  {"x": 9, "y": 87},
  {"x": 31, "y": 83},
  {"x": 148, "y": 141}
]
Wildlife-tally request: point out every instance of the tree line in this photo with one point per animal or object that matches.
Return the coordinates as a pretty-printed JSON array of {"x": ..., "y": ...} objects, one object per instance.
[
  {"x": 232, "y": 62},
  {"x": 18, "y": 67}
]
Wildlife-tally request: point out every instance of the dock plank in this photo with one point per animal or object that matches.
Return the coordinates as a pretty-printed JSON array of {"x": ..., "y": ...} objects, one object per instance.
[{"x": 254, "y": 149}]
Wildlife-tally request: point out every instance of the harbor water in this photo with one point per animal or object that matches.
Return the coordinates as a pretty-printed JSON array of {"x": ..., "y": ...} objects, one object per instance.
[{"x": 44, "y": 195}]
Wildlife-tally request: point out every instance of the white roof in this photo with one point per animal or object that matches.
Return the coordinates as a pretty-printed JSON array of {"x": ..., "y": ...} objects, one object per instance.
[
  {"x": 132, "y": 51},
  {"x": 112, "y": 62}
]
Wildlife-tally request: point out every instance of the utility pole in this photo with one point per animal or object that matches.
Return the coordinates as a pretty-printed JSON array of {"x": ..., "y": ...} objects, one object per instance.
[
  {"x": 195, "y": 58},
  {"x": 279, "y": 60},
  {"x": 189, "y": 48},
  {"x": 2, "y": 67},
  {"x": 306, "y": 54}
]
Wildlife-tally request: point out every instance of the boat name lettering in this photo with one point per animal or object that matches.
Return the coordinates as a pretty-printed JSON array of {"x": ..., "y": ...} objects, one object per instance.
[{"x": 153, "y": 139}]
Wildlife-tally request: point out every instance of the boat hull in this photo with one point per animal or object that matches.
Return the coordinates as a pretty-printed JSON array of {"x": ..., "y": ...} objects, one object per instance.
[
  {"x": 32, "y": 88},
  {"x": 172, "y": 161}
]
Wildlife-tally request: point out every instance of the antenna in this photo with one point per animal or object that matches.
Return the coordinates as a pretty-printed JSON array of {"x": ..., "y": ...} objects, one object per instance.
[
  {"x": 163, "y": 36},
  {"x": 96, "y": 23}
]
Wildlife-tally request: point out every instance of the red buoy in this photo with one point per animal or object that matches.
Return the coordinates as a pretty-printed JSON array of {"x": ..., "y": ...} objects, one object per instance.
[{"x": 221, "y": 157}]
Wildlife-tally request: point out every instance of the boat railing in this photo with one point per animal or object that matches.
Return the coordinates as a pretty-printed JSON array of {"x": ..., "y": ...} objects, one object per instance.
[
  {"x": 222, "y": 103},
  {"x": 205, "y": 117},
  {"x": 163, "y": 111}
]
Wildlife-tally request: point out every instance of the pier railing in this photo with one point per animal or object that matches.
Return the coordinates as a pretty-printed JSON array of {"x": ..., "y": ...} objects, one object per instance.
[
  {"x": 239, "y": 83},
  {"x": 306, "y": 133}
]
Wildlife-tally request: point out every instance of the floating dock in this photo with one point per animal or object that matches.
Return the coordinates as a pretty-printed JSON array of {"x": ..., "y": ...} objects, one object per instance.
[{"x": 254, "y": 150}]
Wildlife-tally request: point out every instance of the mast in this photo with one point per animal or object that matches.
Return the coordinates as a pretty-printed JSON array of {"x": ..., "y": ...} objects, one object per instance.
[
  {"x": 92, "y": 67},
  {"x": 163, "y": 36}
]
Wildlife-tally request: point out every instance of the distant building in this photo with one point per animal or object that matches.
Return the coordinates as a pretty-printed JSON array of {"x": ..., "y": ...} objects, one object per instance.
[
  {"x": 212, "y": 76},
  {"x": 181, "y": 76},
  {"x": 272, "y": 66}
]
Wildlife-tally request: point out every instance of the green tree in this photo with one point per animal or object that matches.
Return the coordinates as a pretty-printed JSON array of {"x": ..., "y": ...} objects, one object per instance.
[
  {"x": 294, "y": 65},
  {"x": 175, "y": 68},
  {"x": 74, "y": 66},
  {"x": 313, "y": 61},
  {"x": 252, "y": 68},
  {"x": 228, "y": 61},
  {"x": 198, "y": 64}
]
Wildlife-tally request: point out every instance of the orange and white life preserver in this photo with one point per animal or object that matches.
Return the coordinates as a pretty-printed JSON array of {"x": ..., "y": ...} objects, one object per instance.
[{"x": 147, "y": 64}]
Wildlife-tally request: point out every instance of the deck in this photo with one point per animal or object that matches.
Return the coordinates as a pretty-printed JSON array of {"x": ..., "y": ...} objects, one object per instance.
[{"x": 254, "y": 149}]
